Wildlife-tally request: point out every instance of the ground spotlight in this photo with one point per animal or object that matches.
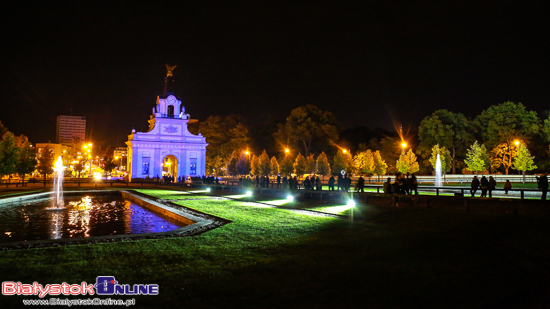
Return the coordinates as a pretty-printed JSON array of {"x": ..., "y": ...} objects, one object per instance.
[
  {"x": 290, "y": 198},
  {"x": 207, "y": 189},
  {"x": 248, "y": 193},
  {"x": 351, "y": 203}
]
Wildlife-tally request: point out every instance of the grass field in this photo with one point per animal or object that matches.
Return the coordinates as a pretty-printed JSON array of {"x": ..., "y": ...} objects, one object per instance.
[{"x": 270, "y": 257}]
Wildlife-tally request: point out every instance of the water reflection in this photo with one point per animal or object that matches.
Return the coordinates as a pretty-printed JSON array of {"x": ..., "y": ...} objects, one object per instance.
[{"x": 83, "y": 217}]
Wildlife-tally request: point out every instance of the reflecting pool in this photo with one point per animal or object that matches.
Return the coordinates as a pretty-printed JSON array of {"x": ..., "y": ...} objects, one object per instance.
[{"x": 83, "y": 216}]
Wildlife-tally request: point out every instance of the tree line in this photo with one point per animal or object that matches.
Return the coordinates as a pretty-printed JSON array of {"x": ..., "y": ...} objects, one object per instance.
[
  {"x": 503, "y": 137},
  {"x": 495, "y": 141}
]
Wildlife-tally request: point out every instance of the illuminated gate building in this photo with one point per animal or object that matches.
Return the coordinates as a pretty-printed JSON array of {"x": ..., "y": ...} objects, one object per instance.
[{"x": 168, "y": 148}]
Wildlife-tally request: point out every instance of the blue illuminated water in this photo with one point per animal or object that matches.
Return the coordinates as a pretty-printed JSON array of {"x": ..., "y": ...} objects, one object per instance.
[{"x": 83, "y": 217}]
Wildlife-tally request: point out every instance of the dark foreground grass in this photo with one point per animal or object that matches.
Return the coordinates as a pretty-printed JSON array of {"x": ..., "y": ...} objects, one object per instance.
[{"x": 270, "y": 257}]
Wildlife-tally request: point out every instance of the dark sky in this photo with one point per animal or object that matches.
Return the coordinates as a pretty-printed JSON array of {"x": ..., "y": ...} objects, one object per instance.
[{"x": 370, "y": 63}]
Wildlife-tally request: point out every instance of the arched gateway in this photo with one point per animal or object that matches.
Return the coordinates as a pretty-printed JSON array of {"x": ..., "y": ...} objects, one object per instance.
[{"x": 168, "y": 147}]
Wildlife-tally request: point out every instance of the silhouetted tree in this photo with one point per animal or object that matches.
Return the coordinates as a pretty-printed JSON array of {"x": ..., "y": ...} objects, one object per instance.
[
  {"x": 9, "y": 156},
  {"x": 45, "y": 162},
  {"x": 274, "y": 166},
  {"x": 307, "y": 126},
  {"x": 322, "y": 168},
  {"x": 300, "y": 165}
]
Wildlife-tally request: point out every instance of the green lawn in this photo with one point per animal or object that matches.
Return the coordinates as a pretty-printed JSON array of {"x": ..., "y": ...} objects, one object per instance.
[{"x": 269, "y": 257}]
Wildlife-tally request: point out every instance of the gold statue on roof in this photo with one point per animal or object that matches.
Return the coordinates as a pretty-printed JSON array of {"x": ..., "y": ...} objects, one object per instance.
[{"x": 169, "y": 69}]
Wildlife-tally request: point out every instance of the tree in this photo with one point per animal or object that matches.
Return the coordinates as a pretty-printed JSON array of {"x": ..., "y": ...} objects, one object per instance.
[
  {"x": 524, "y": 161},
  {"x": 26, "y": 162},
  {"x": 322, "y": 166},
  {"x": 243, "y": 165},
  {"x": 231, "y": 165},
  {"x": 380, "y": 166},
  {"x": 9, "y": 155},
  {"x": 364, "y": 163},
  {"x": 447, "y": 129},
  {"x": 407, "y": 162},
  {"x": 311, "y": 164},
  {"x": 307, "y": 126},
  {"x": 342, "y": 161},
  {"x": 79, "y": 167},
  {"x": 476, "y": 158},
  {"x": 503, "y": 155},
  {"x": 444, "y": 157},
  {"x": 108, "y": 164},
  {"x": 274, "y": 166},
  {"x": 286, "y": 167},
  {"x": 507, "y": 122},
  {"x": 3, "y": 129},
  {"x": 265, "y": 164},
  {"x": 223, "y": 135},
  {"x": 546, "y": 129},
  {"x": 299, "y": 165},
  {"x": 45, "y": 162},
  {"x": 388, "y": 147},
  {"x": 255, "y": 166}
]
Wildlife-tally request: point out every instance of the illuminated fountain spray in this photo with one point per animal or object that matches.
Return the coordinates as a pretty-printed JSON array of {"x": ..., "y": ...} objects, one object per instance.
[
  {"x": 58, "y": 183},
  {"x": 438, "y": 182}
]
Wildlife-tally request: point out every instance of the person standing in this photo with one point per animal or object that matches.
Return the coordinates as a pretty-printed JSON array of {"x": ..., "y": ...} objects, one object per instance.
[
  {"x": 278, "y": 180},
  {"x": 360, "y": 184},
  {"x": 307, "y": 184},
  {"x": 387, "y": 186},
  {"x": 406, "y": 183},
  {"x": 347, "y": 183},
  {"x": 331, "y": 183},
  {"x": 400, "y": 179},
  {"x": 340, "y": 182},
  {"x": 543, "y": 184},
  {"x": 484, "y": 183},
  {"x": 414, "y": 184},
  {"x": 318, "y": 185},
  {"x": 474, "y": 186},
  {"x": 492, "y": 185},
  {"x": 285, "y": 183}
]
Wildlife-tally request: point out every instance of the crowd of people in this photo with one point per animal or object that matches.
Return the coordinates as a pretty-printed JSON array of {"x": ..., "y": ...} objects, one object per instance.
[
  {"x": 488, "y": 185},
  {"x": 485, "y": 185},
  {"x": 404, "y": 184}
]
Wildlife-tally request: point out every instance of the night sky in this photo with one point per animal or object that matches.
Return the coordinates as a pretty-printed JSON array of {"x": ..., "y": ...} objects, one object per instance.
[{"x": 371, "y": 63}]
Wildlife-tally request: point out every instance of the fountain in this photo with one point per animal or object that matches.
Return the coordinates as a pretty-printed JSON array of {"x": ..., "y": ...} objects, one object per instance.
[
  {"x": 438, "y": 182},
  {"x": 58, "y": 184},
  {"x": 78, "y": 215}
]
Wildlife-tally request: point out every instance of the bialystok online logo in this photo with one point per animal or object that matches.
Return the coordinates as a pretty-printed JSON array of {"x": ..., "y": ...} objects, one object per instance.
[{"x": 105, "y": 285}]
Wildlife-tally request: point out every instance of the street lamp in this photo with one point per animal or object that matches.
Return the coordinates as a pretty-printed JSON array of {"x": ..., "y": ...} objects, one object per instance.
[
  {"x": 517, "y": 142},
  {"x": 287, "y": 150},
  {"x": 404, "y": 145}
]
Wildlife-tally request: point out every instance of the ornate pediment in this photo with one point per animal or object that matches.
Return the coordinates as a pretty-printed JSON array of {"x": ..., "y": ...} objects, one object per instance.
[{"x": 171, "y": 129}]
